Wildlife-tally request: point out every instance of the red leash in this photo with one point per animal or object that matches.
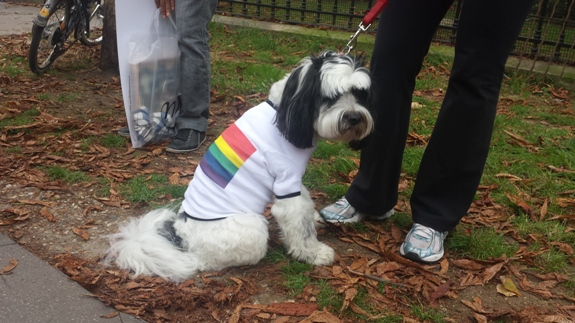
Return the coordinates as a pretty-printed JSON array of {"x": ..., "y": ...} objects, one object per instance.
[{"x": 365, "y": 24}]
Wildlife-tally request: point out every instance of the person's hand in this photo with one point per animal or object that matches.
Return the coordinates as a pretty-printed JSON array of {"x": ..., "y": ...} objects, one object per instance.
[{"x": 166, "y": 6}]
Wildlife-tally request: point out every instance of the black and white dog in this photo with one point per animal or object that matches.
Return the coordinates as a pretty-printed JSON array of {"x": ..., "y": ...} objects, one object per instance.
[{"x": 258, "y": 160}]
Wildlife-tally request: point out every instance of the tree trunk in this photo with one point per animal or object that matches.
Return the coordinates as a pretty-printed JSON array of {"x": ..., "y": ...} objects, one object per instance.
[{"x": 109, "y": 50}]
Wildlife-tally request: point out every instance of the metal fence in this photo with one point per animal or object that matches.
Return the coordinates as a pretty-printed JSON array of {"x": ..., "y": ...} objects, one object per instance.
[{"x": 548, "y": 33}]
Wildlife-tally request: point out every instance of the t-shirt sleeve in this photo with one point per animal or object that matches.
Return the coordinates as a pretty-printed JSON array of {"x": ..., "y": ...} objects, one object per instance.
[{"x": 287, "y": 176}]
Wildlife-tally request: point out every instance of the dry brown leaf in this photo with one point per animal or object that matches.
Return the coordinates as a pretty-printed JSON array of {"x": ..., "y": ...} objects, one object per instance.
[
  {"x": 565, "y": 248},
  {"x": 110, "y": 315},
  {"x": 490, "y": 272},
  {"x": 543, "y": 210},
  {"x": 521, "y": 204},
  {"x": 502, "y": 290},
  {"x": 81, "y": 233},
  {"x": 321, "y": 317},
  {"x": 349, "y": 295},
  {"x": 440, "y": 291},
  {"x": 565, "y": 202},
  {"x": 467, "y": 264},
  {"x": 9, "y": 267},
  {"x": 480, "y": 318},
  {"x": 509, "y": 176},
  {"x": 47, "y": 214},
  {"x": 444, "y": 264},
  {"x": 174, "y": 179}
]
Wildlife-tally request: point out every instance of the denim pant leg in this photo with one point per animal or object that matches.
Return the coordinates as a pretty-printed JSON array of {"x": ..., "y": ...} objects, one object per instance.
[{"x": 192, "y": 18}]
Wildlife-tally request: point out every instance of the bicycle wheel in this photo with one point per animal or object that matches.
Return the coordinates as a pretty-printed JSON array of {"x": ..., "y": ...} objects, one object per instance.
[
  {"x": 93, "y": 35},
  {"x": 48, "y": 42}
]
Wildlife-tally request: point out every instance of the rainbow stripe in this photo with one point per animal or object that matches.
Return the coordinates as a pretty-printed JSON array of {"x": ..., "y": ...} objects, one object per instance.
[{"x": 227, "y": 155}]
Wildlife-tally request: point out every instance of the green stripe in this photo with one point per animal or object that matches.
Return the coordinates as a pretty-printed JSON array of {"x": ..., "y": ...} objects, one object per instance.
[{"x": 223, "y": 159}]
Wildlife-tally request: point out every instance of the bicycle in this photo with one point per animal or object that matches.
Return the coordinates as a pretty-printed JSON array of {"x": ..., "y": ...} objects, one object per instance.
[{"x": 56, "y": 22}]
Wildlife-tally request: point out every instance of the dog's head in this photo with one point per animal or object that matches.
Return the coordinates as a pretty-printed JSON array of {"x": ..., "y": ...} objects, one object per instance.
[{"x": 325, "y": 95}]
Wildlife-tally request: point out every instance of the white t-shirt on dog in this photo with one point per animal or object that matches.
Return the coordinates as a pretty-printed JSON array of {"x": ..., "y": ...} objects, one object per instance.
[{"x": 245, "y": 167}]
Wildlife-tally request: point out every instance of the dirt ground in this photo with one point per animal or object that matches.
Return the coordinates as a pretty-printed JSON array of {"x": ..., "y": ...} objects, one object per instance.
[{"x": 65, "y": 224}]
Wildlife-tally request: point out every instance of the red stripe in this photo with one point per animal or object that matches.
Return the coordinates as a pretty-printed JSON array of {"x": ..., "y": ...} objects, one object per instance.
[{"x": 238, "y": 142}]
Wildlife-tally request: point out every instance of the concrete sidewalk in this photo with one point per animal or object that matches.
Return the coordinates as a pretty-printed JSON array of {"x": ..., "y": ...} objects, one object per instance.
[
  {"x": 34, "y": 292},
  {"x": 16, "y": 19}
]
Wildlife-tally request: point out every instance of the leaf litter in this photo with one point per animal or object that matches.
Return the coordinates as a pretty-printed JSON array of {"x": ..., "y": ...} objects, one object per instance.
[{"x": 63, "y": 223}]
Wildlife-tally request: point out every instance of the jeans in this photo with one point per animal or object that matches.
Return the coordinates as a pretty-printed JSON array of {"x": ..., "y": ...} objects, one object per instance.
[
  {"x": 192, "y": 19},
  {"x": 455, "y": 157}
]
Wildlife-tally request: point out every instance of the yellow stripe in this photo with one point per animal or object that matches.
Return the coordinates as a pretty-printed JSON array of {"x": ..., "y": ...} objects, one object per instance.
[{"x": 229, "y": 152}]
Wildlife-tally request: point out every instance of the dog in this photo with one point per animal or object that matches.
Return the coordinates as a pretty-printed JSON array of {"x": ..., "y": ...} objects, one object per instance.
[{"x": 258, "y": 160}]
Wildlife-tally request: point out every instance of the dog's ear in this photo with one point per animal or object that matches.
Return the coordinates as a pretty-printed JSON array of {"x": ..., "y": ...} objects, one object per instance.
[{"x": 299, "y": 105}]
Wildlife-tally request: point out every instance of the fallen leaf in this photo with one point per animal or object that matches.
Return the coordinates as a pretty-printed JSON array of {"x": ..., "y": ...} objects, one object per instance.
[
  {"x": 10, "y": 266},
  {"x": 47, "y": 214},
  {"x": 81, "y": 233},
  {"x": 502, "y": 290},
  {"x": 509, "y": 285},
  {"x": 110, "y": 315}
]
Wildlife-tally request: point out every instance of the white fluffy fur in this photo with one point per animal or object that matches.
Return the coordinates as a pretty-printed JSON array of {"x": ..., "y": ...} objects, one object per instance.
[
  {"x": 208, "y": 245},
  {"x": 141, "y": 247}
]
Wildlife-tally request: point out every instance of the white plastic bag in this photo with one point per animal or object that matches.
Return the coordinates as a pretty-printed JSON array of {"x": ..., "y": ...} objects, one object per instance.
[{"x": 154, "y": 82}]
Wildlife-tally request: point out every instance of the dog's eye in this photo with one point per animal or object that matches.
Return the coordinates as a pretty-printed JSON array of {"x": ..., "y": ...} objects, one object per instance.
[
  {"x": 332, "y": 101},
  {"x": 361, "y": 95}
]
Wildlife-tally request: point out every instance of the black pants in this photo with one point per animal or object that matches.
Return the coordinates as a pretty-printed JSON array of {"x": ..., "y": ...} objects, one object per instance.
[{"x": 455, "y": 157}]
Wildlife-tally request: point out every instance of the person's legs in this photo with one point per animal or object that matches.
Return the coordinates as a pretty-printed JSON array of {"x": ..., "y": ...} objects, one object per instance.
[
  {"x": 404, "y": 34},
  {"x": 454, "y": 159},
  {"x": 192, "y": 18}
]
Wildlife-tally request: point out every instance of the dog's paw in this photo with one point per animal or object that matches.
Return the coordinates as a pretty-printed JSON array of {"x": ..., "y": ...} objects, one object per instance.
[
  {"x": 318, "y": 221},
  {"x": 324, "y": 256}
]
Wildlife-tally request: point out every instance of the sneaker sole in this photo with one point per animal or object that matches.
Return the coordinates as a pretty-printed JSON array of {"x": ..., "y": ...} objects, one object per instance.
[
  {"x": 360, "y": 217},
  {"x": 350, "y": 220},
  {"x": 415, "y": 257}
]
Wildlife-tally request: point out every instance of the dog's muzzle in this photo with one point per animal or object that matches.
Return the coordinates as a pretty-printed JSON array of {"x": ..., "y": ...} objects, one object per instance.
[
  {"x": 352, "y": 118},
  {"x": 354, "y": 125}
]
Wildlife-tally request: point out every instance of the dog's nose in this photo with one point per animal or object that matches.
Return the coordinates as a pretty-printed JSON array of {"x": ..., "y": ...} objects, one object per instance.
[{"x": 352, "y": 118}]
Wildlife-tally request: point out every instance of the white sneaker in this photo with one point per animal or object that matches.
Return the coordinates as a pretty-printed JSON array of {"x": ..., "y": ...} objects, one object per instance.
[
  {"x": 423, "y": 244},
  {"x": 342, "y": 211}
]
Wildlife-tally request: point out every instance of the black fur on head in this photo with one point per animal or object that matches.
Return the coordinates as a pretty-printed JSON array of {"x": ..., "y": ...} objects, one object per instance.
[
  {"x": 304, "y": 94},
  {"x": 297, "y": 109}
]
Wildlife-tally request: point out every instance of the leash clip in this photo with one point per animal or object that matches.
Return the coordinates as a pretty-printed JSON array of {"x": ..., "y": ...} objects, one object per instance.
[{"x": 353, "y": 38}]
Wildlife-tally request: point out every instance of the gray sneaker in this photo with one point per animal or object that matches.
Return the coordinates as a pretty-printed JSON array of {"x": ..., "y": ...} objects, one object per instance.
[
  {"x": 124, "y": 132},
  {"x": 342, "y": 211},
  {"x": 423, "y": 244},
  {"x": 186, "y": 140}
]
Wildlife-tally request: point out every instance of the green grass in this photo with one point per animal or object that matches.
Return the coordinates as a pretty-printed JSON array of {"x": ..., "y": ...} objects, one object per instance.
[
  {"x": 246, "y": 61},
  {"x": 276, "y": 255},
  {"x": 552, "y": 261},
  {"x": 425, "y": 314},
  {"x": 328, "y": 296},
  {"x": 481, "y": 243},
  {"x": 24, "y": 118},
  {"x": 296, "y": 276},
  {"x": 64, "y": 174},
  {"x": 150, "y": 188},
  {"x": 113, "y": 141}
]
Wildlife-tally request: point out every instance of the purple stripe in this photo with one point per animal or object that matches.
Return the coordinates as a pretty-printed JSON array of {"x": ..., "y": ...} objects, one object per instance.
[{"x": 217, "y": 178}]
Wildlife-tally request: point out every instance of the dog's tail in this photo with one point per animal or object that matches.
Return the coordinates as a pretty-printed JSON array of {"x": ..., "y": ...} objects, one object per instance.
[{"x": 143, "y": 247}]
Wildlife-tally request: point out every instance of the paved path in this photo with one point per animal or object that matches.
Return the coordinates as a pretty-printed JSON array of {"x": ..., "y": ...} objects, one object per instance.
[
  {"x": 16, "y": 19},
  {"x": 34, "y": 292}
]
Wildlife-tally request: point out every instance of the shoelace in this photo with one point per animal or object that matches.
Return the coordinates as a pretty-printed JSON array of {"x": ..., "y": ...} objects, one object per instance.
[
  {"x": 342, "y": 202},
  {"x": 423, "y": 231},
  {"x": 183, "y": 135}
]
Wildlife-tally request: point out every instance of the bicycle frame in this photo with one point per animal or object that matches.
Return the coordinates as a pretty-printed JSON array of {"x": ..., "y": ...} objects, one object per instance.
[{"x": 42, "y": 18}]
